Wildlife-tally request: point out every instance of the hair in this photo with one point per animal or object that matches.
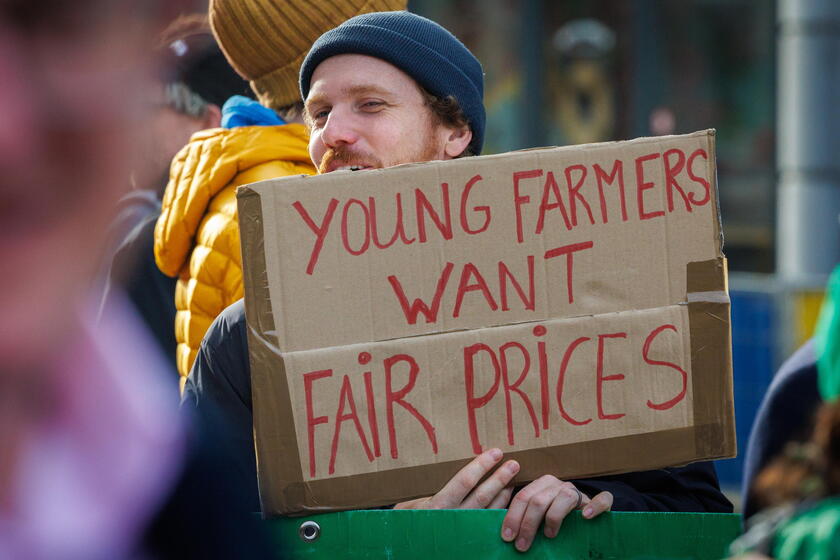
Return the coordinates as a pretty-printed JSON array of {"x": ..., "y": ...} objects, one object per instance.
[
  {"x": 291, "y": 112},
  {"x": 447, "y": 111},
  {"x": 805, "y": 471},
  {"x": 180, "y": 98},
  {"x": 185, "y": 27}
]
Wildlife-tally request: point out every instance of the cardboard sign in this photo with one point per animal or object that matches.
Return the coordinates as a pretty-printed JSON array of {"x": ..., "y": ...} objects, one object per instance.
[{"x": 567, "y": 305}]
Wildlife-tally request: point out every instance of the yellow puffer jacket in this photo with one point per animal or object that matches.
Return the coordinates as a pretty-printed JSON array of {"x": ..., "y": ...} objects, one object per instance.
[{"x": 197, "y": 234}]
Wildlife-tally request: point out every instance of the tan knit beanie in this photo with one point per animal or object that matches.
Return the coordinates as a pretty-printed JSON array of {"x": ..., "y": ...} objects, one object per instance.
[{"x": 266, "y": 40}]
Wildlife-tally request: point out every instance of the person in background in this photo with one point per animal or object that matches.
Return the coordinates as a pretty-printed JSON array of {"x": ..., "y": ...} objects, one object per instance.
[
  {"x": 786, "y": 415},
  {"x": 94, "y": 454},
  {"x": 195, "y": 83},
  {"x": 796, "y": 498},
  {"x": 197, "y": 233},
  {"x": 385, "y": 89}
]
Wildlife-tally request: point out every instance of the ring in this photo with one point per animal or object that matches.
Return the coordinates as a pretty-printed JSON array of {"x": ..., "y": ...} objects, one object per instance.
[{"x": 579, "y": 500}]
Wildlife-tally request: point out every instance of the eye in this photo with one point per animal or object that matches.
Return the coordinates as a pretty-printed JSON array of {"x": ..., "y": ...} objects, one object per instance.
[
  {"x": 319, "y": 116},
  {"x": 372, "y": 105}
]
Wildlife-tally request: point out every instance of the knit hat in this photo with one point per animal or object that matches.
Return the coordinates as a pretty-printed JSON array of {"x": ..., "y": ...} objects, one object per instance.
[
  {"x": 191, "y": 56},
  {"x": 208, "y": 74},
  {"x": 421, "y": 48},
  {"x": 265, "y": 40}
]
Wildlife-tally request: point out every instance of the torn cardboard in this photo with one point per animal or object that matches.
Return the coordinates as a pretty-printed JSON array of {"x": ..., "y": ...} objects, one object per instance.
[{"x": 567, "y": 305}]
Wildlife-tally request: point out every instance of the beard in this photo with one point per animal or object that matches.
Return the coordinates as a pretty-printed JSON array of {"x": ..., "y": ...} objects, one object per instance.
[{"x": 345, "y": 155}]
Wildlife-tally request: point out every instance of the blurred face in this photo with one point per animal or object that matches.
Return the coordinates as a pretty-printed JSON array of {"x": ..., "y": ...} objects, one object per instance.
[
  {"x": 170, "y": 130},
  {"x": 365, "y": 113},
  {"x": 73, "y": 101}
]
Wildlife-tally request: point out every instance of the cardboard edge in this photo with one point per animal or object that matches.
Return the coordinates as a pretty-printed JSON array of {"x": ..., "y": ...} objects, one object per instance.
[
  {"x": 675, "y": 447},
  {"x": 713, "y": 178},
  {"x": 711, "y": 361},
  {"x": 709, "y": 133},
  {"x": 269, "y": 390}
]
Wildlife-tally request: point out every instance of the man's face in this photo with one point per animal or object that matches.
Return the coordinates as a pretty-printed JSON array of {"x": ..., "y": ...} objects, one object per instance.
[
  {"x": 366, "y": 113},
  {"x": 170, "y": 130}
]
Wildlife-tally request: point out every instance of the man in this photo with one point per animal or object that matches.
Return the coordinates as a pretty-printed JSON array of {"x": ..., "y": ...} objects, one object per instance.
[
  {"x": 92, "y": 445},
  {"x": 389, "y": 88},
  {"x": 188, "y": 98},
  {"x": 197, "y": 234}
]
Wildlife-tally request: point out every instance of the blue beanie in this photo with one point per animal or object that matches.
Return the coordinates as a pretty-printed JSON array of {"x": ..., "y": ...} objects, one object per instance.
[{"x": 421, "y": 48}]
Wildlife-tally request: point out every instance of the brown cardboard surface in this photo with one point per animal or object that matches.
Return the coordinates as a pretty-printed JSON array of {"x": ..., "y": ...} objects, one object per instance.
[{"x": 358, "y": 402}]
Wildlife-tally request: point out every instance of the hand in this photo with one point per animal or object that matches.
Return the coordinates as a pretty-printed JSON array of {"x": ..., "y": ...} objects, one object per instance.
[
  {"x": 463, "y": 490},
  {"x": 552, "y": 499}
]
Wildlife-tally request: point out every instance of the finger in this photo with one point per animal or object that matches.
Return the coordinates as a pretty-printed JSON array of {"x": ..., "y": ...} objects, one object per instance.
[
  {"x": 512, "y": 522},
  {"x": 516, "y": 510},
  {"x": 419, "y": 503},
  {"x": 502, "y": 498},
  {"x": 584, "y": 501},
  {"x": 538, "y": 505},
  {"x": 566, "y": 501},
  {"x": 598, "y": 505},
  {"x": 453, "y": 493},
  {"x": 485, "y": 493}
]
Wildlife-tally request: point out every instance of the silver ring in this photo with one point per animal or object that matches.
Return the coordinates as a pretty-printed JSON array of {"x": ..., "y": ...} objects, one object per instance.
[
  {"x": 309, "y": 531},
  {"x": 579, "y": 500}
]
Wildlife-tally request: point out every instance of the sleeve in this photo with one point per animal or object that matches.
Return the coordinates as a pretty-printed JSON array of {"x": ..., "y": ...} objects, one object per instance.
[
  {"x": 218, "y": 393},
  {"x": 693, "y": 488},
  {"x": 786, "y": 414},
  {"x": 205, "y": 515},
  {"x": 151, "y": 291}
]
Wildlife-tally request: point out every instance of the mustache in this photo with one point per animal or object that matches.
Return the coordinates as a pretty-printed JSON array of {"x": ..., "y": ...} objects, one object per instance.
[{"x": 344, "y": 155}]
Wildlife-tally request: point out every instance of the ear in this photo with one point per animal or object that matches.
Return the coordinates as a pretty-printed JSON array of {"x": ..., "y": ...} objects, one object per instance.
[
  {"x": 457, "y": 141},
  {"x": 212, "y": 117}
]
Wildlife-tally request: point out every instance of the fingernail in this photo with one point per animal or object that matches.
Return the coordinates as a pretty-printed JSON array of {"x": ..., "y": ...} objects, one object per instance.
[
  {"x": 513, "y": 466},
  {"x": 587, "y": 512},
  {"x": 550, "y": 533},
  {"x": 495, "y": 454},
  {"x": 521, "y": 545},
  {"x": 507, "y": 534}
]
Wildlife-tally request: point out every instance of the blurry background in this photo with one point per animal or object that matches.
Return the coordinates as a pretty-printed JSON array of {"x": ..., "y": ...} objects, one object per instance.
[{"x": 576, "y": 71}]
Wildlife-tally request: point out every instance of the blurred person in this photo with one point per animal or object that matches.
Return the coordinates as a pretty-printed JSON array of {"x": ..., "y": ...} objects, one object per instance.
[
  {"x": 796, "y": 497},
  {"x": 197, "y": 234},
  {"x": 786, "y": 415},
  {"x": 93, "y": 449},
  {"x": 197, "y": 82},
  {"x": 384, "y": 89},
  {"x": 194, "y": 84}
]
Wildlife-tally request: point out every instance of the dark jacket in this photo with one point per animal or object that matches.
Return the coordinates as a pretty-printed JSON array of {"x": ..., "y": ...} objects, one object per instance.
[
  {"x": 205, "y": 515},
  {"x": 786, "y": 414},
  {"x": 219, "y": 385},
  {"x": 131, "y": 269}
]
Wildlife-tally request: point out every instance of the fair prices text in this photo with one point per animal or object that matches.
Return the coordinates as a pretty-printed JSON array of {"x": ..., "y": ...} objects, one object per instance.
[{"x": 381, "y": 394}]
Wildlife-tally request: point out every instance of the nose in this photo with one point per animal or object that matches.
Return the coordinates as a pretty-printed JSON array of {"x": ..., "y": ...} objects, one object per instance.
[{"x": 340, "y": 129}]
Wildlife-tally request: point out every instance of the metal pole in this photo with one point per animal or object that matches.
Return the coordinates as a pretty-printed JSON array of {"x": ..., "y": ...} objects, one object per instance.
[
  {"x": 808, "y": 230},
  {"x": 532, "y": 97}
]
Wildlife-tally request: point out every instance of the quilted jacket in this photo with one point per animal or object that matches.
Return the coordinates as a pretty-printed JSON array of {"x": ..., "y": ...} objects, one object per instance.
[{"x": 197, "y": 234}]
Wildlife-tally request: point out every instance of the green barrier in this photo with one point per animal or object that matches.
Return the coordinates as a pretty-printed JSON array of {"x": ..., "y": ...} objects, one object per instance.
[{"x": 468, "y": 534}]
